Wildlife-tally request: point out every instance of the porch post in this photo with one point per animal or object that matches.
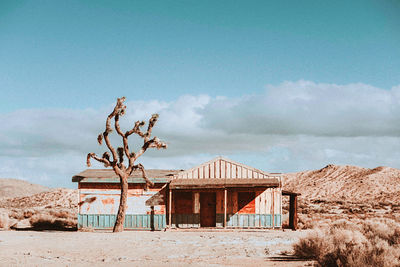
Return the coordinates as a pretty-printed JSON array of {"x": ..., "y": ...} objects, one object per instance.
[
  {"x": 225, "y": 200},
  {"x": 170, "y": 209},
  {"x": 293, "y": 212},
  {"x": 273, "y": 208}
]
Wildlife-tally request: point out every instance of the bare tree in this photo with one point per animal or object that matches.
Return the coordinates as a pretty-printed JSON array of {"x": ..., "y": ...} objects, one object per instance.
[{"x": 116, "y": 161}]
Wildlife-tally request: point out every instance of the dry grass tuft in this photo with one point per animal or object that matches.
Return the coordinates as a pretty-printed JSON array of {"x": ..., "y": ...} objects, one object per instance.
[
  {"x": 369, "y": 243},
  {"x": 86, "y": 229}
]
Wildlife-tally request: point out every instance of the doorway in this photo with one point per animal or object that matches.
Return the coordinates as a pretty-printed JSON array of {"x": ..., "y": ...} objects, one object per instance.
[{"x": 208, "y": 209}]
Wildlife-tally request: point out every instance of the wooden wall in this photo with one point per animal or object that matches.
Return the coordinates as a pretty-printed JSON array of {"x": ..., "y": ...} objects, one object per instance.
[
  {"x": 266, "y": 201},
  {"x": 222, "y": 168},
  {"x": 104, "y": 199}
]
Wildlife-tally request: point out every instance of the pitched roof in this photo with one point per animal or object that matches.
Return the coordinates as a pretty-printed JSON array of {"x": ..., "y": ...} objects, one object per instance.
[
  {"x": 221, "y": 167},
  {"x": 109, "y": 176}
]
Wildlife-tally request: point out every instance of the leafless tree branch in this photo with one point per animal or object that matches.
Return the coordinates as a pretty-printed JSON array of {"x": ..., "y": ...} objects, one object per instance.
[
  {"x": 105, "y": 159},
  {"x": 148, "y": 182},
  {"x": 118, "y": 110}
]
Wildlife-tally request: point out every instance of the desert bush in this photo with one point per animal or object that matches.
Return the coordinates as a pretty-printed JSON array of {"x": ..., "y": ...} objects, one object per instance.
[
  {"x": 61, "y": 214},
  {"x": 51, "y": 222},
  {"x": 4, "y": 221},
  {"x": 369, "y": 243},
  {"x": 28, "y": 214},
  {"x": 17, "y": 214}
]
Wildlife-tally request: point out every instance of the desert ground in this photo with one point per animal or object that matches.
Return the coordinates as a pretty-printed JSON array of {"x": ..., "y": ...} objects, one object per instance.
[{"x": 133, "y": 248}]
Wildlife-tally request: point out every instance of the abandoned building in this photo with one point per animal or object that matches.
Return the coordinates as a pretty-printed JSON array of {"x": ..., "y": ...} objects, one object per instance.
[{"x": 220, "y": 193}]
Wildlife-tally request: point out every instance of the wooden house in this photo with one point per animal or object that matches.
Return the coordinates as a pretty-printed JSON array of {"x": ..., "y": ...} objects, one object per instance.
[{"x": 220, "y": 193}]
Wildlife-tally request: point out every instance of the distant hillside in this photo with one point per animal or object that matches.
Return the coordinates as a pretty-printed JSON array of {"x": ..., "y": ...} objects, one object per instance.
[
  {"x": 11, "y": 188},
  {"x": 349, "y": 183},
  {"x": 56, "y": 198}
]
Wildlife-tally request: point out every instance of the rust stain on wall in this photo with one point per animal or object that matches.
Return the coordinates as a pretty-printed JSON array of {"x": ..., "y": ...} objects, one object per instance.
[{"x": 107, "y": 201}]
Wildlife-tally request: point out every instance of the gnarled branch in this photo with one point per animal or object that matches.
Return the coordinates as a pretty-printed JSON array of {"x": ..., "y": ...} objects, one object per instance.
[
  {"x": 119, "y": 109},
  {"x": 124, "y": 140},
  {"x": 136, "y": 129},
  {"x": 105, "y": 159},
  {"x": 148, "y": 182},
  {"x": 152, "y": 122}
]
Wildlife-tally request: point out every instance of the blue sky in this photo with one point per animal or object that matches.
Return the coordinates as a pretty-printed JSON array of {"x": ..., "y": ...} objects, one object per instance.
[{"x": 265, "y": 65}]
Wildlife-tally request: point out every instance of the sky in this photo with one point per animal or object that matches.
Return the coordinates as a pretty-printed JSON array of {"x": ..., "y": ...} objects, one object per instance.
[{"x": 282, "y": 86}]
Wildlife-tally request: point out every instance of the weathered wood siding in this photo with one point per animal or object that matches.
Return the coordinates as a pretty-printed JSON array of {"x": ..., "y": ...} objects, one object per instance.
[
  {"x": 221, "y": 168},
  {"x": 99, "y": 203},
  {"x": 94, "y": 200}
]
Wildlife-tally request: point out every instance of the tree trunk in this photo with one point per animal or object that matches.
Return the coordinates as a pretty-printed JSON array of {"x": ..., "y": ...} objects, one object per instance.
[{"x": 119, "y": 223}]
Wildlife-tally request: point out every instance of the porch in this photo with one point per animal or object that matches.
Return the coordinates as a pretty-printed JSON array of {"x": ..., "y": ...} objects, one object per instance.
[{"x": 223, "y": 203}]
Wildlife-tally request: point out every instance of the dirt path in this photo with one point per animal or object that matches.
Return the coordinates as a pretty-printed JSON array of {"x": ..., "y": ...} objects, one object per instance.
[{"x": 142, "y": 248}]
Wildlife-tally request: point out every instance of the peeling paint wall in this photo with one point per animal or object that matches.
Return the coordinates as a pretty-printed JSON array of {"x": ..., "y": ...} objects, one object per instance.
[{"x": 104, "y": 199}]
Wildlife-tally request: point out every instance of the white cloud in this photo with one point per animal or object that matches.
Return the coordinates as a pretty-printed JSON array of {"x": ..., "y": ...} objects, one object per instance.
[
  {"x": 309, "y": 108},
  {"x": 292, "y": 126}
]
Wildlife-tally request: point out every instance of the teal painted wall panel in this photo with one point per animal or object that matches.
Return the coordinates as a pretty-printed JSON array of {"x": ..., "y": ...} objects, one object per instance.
[
  {"x": 278, "y": 220},
  {"x": 132, "y": 221},
  {"x": 185, "y": 220},
  {"x": 158, "y": 221},
  {"x": 252, "y": 220}
]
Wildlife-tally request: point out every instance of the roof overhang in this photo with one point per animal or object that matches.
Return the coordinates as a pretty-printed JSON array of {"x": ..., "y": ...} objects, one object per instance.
[
  {"x": 79, "y": 179},
  {"x": 290, "y": 193},
  {"x": 109, "y": 176}
]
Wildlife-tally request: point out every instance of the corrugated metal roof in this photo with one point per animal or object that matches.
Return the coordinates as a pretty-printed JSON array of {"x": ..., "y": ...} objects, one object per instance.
[
  {"x": 218, "y": 183},
  {"x": 109, "y": 176}
]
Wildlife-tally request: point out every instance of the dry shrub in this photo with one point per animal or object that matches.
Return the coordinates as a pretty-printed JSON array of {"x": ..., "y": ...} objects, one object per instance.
[
  {"x": 4, "y": 221},
  {"x": 306, "y": 222},
  {"x": 369, "y": 243},
  {"x": 28, "y": 214},
  {"x": 17, "y": 214},
  {"x": 51, "y": 222},
  {"x": 86, "y": 229},
  {"x": 61, "y": 214}
]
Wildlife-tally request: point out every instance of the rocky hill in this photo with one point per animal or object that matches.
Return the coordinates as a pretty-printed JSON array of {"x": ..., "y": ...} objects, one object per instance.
[
  {"x": 348, "y": 183},
  {"x": 60, "y": 198},
  {"x": 29, "y": 206},
  {"x": 11, "y": 188}
]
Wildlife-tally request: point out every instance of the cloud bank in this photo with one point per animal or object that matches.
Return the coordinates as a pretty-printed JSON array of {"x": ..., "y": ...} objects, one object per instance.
[{"x": 292, "y": 126}]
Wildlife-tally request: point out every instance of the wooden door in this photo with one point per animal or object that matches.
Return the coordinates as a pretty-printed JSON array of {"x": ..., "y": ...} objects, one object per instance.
[{"x": 207, "y": 209}]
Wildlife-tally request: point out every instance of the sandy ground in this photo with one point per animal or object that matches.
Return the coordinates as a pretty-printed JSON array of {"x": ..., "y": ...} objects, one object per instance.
[{"x": 134, "y": 248}]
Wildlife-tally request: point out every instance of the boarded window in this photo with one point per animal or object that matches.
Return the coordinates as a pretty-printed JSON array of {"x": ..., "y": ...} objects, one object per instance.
[
  {"x": 246, "y": 202},
  {"x": 183, "y": 202}
]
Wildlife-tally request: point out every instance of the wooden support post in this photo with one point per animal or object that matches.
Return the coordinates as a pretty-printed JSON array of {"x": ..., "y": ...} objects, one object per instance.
[
  {"x": 170, "y": 209},
  {"x": 273, "y": 208},
  {"x": 293, "y": 212},
  {"x": 225, "y": 201},
  {"x": 196, "y": 203}
]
